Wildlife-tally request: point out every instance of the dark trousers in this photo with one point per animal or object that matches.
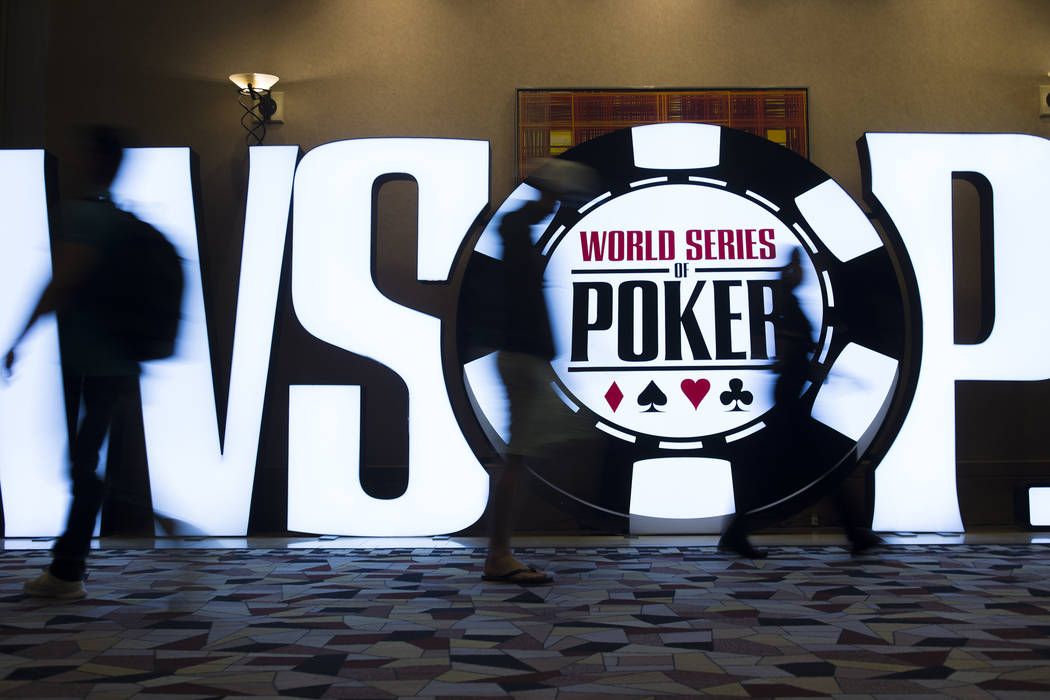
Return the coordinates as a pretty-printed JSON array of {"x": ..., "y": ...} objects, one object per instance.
[
  {"x": 104, "y": 400},
  {"x": 795, "y": 449},
  {"x": 787, "y": 431}
]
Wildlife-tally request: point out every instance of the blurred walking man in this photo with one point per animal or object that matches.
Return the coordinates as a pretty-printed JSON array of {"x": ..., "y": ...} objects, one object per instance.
[{"x": 89, "y": 290}]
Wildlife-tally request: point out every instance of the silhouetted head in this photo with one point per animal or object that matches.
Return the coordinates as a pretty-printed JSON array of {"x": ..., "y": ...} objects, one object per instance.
[
  {"x": 559, "y": 179},
  {"x": 791, "y": 274},
  {"x": 100, "y": 150}
]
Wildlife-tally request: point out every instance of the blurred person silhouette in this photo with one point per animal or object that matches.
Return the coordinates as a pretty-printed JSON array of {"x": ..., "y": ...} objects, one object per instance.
[
  {"x": 117, "y": 288},
  {"x": 793, "y": 339},
  {"x": 526, "y": 347},
  {"x": 853, "y": 515}
]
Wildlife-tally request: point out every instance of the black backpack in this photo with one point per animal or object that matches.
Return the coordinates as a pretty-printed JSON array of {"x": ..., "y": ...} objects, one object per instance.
[{"x": 143, "y": 284}]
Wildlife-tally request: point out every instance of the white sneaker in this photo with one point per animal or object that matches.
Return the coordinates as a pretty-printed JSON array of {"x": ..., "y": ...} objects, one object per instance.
[{"x": 47, "y": 586}]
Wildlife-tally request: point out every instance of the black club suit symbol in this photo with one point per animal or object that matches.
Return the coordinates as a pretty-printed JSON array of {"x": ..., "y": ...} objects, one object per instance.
[{"x": 736, "y": 396}]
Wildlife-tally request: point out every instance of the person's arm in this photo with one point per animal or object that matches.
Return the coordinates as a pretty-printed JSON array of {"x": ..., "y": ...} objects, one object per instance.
[{"x": 73, "y": 263}]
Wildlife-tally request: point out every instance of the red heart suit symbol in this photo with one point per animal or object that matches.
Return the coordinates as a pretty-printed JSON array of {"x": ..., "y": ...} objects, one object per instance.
[{"x": 695, "y": 391}]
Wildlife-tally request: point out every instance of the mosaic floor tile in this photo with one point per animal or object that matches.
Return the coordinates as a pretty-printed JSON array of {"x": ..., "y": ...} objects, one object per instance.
[{"x": 959, "y": 621}]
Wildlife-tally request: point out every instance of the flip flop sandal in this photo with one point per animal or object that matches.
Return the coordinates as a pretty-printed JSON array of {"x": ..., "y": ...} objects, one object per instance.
[{"x": 520, "y": 577}]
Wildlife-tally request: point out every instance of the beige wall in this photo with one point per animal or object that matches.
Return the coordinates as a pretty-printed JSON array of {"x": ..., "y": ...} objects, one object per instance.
[
  {"x": 358, "y": 68},
  {"x": 23, "y": 72},
  {"x": 353, "y": 68},
  {"x": 449, "y": 68}
]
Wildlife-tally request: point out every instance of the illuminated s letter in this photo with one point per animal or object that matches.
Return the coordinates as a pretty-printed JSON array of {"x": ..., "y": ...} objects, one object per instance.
[
  {"x": 33, "y": 438},
  {"x": 196, "y": 475},
  {"x": 911, "y": 177},
  {"x": 336, "y": 300}
]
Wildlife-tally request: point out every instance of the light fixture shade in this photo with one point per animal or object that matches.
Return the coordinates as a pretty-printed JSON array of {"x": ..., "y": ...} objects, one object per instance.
[{"x": 260, "y": 82}]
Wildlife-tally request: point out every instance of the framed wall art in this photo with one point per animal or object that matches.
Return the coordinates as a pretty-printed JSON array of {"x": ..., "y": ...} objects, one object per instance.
[{"x": 553, "y": 120}]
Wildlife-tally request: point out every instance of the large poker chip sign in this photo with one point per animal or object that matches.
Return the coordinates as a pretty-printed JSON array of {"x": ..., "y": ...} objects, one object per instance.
[{"x": 660, "y": 284}]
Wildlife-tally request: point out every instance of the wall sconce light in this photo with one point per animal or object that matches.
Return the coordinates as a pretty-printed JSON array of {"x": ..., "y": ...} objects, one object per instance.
[{"x": 259, "y": 106}]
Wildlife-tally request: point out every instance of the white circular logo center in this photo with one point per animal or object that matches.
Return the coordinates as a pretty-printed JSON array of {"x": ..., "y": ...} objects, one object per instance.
[{"x": 661, "y": 305}]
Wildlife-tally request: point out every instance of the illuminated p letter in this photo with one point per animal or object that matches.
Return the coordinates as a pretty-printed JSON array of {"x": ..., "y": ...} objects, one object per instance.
[
  {"x": 336, "y": 300},
  {"x": 911, "y": 177}
]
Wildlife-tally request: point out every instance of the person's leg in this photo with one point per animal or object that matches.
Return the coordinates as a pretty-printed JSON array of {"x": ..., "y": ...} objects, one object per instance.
[
  {"x": 788, "y": 430},
  {"x": 100, "y": 398},
  {"x": 127, "y": 505},
  {"x": 63, "y": 579},
  {"x": 502, "y": 513},
  {"x": 735, "y": 540},
  {"x": 500, "y": 562},
  {"x": 516, "y": 371},
  {"x": 855, "y": 521}
]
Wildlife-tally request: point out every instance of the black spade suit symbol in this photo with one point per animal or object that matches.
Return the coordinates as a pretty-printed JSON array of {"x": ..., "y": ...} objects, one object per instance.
[{"x": 652, "y": 397}]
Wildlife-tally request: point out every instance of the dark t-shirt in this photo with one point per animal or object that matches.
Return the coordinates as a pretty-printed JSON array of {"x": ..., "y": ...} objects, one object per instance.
[
  {"x": 89, "y": 347},
  {"x": 527, "y": 326},
  {"x": 793, "y": 336}
]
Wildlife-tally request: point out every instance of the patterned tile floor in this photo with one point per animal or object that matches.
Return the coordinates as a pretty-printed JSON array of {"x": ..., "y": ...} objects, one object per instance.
[{"x": 952, "y": 621}]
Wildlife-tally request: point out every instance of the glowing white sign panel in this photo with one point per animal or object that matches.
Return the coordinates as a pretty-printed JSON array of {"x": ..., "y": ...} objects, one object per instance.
[
  {"x": 33, "y": 464},
  {"x": 207, "y": 480},
  {"x": 911, "y": 175},
  {"x": 703, "y": 488},
  {"x": 1039, "y": 506},
  {"x": 850, "y": 399},
  {"x": 676, "y": 146},
  {"x": 336, "y": 299},
  {"x": 196, "y": 475}
]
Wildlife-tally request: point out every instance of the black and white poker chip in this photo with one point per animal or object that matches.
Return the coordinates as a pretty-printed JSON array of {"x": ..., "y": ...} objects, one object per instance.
[{"x": 658, "y": 287}]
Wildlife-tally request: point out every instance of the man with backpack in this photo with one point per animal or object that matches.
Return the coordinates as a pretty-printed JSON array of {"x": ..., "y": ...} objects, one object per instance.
[{"x": 110, "y": 320}]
